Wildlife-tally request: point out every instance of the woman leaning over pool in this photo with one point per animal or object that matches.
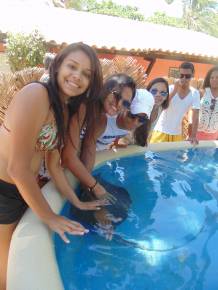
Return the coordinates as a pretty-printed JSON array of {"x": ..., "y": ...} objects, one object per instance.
[{"x": 34, "y": 127}]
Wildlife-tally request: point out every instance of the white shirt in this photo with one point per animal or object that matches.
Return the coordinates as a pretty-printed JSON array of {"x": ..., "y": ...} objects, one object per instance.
[
  {"x": 111, "y": 133},
  {"x": 170, "y": 120}
]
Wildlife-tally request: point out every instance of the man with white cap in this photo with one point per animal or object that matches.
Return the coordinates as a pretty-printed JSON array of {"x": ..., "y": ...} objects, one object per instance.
[
  {"x": 127, "y": 121},
  {"x": 139, "y": 113}
]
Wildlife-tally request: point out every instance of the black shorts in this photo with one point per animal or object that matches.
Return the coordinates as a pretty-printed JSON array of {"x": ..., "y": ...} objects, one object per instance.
[{"x": 12, "y": 205}]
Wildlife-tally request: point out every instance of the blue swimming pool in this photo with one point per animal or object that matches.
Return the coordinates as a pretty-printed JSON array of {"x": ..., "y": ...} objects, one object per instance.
[{"x": 170, "y": 236}]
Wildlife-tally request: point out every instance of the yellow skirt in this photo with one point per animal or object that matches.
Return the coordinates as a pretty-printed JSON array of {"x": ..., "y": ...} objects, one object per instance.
[{"x": 158, "y": 137}]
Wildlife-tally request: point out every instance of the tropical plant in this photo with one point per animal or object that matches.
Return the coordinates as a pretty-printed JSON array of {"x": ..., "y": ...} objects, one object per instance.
[
  {"x": 162, "y": 18},
  {"x": 106, "y": 7},
  {"x": 169, "y": 1},
  {"x": 75, "y": 4},
  {"x": 200, "y": 15},
  {"x": 25, "y": 50}
]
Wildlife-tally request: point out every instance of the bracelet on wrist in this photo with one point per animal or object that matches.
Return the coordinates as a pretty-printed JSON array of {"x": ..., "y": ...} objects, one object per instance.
[{"x": 91, "y": 188}]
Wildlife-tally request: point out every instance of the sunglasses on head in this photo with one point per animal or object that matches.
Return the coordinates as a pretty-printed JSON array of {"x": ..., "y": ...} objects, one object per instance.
[
  {"x": 141, "y": 119},
  {"x": 186, "y": 76},
  {"x": 126, "y": 104},
  {"x": 163, "y": 94},
  {"x": 213, "y": 103}
]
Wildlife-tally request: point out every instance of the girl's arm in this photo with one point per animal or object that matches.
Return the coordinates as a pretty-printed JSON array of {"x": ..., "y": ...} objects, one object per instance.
[
  {"x": 57, "y": 174},
  {"x": 88, "y": 150},
  {"x": 25, "y": 117},
  {"x": 195, "y": 120},
  {"x": 71, "y": 152},
  {"x": 88, "y": 154}
]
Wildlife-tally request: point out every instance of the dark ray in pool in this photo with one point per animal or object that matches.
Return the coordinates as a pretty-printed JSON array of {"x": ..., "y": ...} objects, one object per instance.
[{"x": 114, "y": 213}]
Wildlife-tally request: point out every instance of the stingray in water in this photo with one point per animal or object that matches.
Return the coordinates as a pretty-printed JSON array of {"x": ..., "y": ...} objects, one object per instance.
[{"x": 104, "y": 221}]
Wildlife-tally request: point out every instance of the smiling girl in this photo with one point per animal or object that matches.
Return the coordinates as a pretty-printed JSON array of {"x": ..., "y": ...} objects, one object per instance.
[{"x": 34, "y": 127}]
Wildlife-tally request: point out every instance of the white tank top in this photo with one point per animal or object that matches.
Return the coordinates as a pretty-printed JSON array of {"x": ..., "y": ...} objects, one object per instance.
[{"x": 111, "y": 133}]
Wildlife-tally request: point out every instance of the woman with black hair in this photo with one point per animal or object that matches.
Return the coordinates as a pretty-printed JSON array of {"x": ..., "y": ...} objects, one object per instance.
[
  {"x": 35, "y": 127},
  {"x": 136, "y": 120},
  {"x": 115, "y": 96},
  {"x": 159, "y": 88},
  {"x": 208, "y": 115},
  {"x": 139, "y": 132}
]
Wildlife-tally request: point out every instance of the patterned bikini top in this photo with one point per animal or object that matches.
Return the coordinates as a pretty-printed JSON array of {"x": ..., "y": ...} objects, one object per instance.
[{"x": 47, "y": 139}]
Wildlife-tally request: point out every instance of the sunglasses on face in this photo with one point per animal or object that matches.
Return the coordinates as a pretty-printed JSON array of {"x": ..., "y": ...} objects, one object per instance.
[
  {"x": 163, "y": 94},
  {"x": 126, "y": 104},
  {"x": 116, "y": 94},
  {"x": 213, "y": 103},
  {"x": 186, "y": 76},
  {"x": 141, "y": 119}
]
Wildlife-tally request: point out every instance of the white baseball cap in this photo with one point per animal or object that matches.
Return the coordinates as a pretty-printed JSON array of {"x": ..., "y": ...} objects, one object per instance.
[{"x": 143, "y": 102}]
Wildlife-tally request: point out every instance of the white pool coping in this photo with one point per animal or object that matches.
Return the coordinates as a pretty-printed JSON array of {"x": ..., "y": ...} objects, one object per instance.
[{"x": 32, "y": 262}]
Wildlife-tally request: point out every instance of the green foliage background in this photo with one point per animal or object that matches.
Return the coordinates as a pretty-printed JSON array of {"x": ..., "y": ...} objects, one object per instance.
[
  {"x": 25, "y": 51},
  {"x": 106, "y": 7},
  {"x": 198, "y": 15}
]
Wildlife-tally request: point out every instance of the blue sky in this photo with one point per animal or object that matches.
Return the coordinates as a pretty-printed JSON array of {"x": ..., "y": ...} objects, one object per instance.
[{"x": 148, "y": 7}]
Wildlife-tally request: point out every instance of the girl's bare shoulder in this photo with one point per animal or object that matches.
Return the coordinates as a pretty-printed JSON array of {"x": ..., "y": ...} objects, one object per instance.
[
  {"x": 32, "y": 94},
  {"x": 30, "y": 102}
]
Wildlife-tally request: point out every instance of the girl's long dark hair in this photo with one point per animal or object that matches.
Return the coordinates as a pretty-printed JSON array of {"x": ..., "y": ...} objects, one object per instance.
[
  {"x": 115, "y": 84},
  {"x": 89, "y": 97},
  {"x": 141, "y": 134},
  {"x": 206, "y": 83}
]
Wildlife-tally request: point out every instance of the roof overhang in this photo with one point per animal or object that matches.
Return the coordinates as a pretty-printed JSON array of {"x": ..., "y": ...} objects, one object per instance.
[
  {"x": 110, "y": 34},
  {"x": 154, "y": 54}
]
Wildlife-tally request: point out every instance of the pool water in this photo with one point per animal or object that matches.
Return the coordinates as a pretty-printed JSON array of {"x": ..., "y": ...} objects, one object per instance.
[{"x": 169, "y": 239}]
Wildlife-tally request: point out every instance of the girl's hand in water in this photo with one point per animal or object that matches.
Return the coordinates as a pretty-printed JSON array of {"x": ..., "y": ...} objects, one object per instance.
[
  {"x": 61, "y": 225},
  {"x": 104, "y": 224},
  {"x": 106, "y": 231},
  {"x": 101, "y": 193},
  {"x": 92, "y": 205}
]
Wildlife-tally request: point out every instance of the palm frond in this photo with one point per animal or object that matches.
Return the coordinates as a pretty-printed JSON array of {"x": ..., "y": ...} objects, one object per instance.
[
  {"x": 127, "y": 65},
  {"x": 13, "y": 82},
  {"x": 7, "y": 91},
  {"x": 27, "y": 76}
]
